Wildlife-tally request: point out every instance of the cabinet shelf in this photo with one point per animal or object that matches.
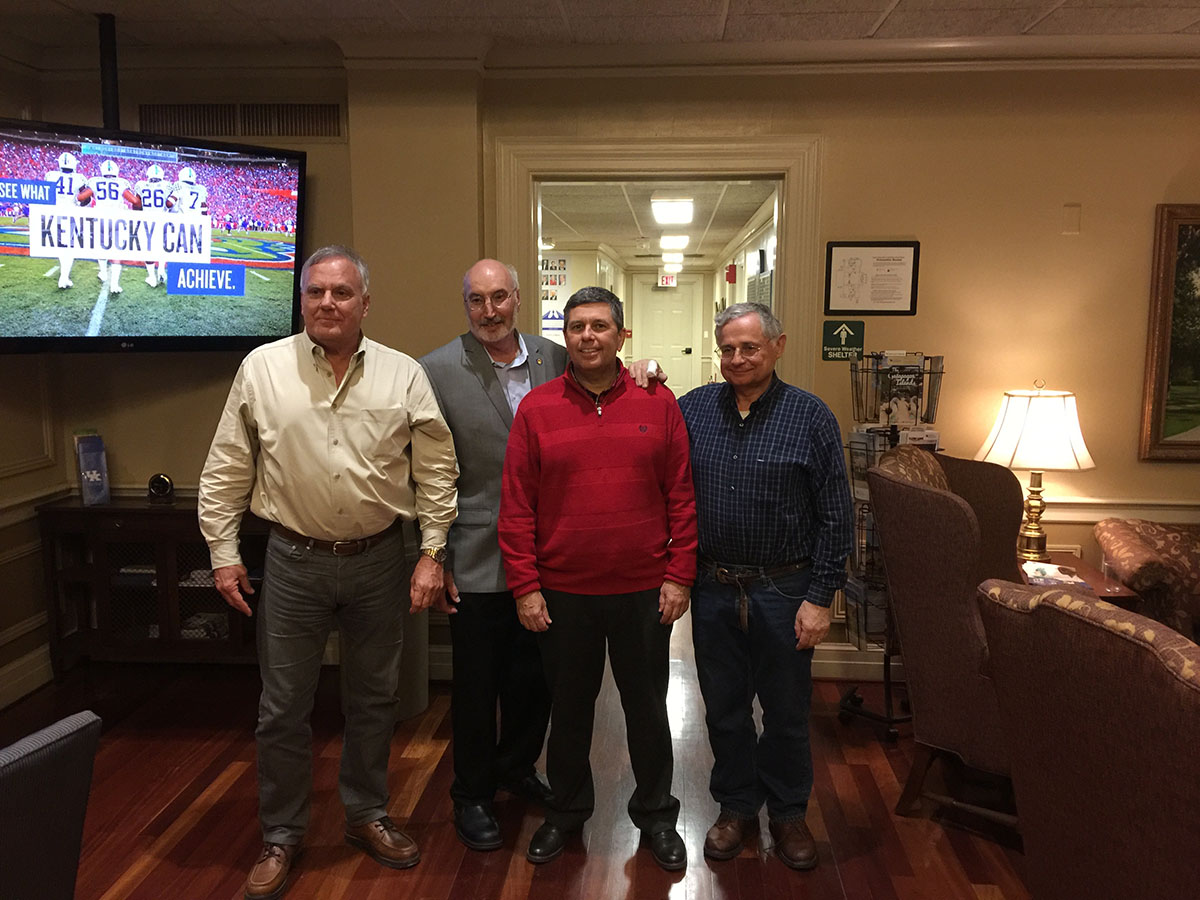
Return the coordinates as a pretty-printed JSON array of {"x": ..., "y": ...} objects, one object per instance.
[{"x": 128, "y": 580}]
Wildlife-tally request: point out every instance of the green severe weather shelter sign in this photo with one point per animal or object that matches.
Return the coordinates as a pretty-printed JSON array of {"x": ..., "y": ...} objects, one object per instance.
[{"x": 841, "y": 340}]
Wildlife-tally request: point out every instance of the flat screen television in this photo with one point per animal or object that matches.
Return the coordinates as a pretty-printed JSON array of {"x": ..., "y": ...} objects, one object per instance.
[{"x": 113, "y": 240}]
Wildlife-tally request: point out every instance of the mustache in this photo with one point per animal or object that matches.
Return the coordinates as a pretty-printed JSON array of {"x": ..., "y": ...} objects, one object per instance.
[{"x": 492, "y": 320}]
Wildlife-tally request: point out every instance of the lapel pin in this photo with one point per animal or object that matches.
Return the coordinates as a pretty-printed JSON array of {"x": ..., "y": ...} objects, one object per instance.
[{"x": 539, "y": 362}]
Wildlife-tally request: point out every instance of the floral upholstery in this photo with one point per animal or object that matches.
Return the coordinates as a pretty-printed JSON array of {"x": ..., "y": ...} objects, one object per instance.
[
  {"x": 1174, "y": 650},
  {"x": 914, "y": 464},
  {"x": 1161, "y": 562},
  {"x": 1104, "y": 705}
]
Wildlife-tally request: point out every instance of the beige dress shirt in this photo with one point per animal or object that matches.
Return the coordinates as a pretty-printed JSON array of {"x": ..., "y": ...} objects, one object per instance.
[{"x": 333, "y": 462}]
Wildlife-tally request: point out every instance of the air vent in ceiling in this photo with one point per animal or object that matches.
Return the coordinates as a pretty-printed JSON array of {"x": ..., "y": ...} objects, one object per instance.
[{"x": 252, "y": 120}]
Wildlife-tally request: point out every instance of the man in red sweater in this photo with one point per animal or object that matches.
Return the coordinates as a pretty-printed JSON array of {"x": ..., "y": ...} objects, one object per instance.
[{"x": 598, "y": 531}]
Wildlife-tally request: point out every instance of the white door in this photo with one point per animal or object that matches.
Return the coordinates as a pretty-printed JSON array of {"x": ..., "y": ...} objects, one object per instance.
[{"x": 665, "y": 328}]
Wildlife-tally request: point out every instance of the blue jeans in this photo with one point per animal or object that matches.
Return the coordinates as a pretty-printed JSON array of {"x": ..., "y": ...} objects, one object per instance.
[
  {"x": 749, "y": 768},
  {"x": 304, "y": 593}
]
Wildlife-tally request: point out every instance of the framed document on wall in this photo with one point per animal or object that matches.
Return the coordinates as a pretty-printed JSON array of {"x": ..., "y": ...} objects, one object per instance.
[{"x": 871, "y": 278}]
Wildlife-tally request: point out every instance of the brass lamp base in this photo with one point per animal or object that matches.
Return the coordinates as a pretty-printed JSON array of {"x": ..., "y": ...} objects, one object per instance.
[{"x": 1031, "y": 539}]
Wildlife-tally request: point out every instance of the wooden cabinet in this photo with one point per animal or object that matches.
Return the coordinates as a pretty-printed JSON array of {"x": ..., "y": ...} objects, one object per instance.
[{"x": 130, "y": 580}]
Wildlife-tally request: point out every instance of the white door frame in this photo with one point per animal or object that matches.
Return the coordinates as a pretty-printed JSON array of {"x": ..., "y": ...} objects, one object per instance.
[{"x": 795, "y": 161}]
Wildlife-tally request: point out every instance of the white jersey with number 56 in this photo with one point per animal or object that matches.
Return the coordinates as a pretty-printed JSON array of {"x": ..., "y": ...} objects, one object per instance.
[{"x": 109, "y": 190}]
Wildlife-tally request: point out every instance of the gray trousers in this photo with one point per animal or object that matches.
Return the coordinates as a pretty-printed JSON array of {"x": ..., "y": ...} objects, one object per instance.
[{"x": 305, "y": 592}]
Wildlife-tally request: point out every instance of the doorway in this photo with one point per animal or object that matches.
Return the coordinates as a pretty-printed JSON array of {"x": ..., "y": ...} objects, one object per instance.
[{"x": 522, "y": 164}]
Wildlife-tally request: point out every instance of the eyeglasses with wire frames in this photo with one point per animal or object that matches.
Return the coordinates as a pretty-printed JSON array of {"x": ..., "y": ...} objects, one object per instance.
[{"x": 496, "y": 298}]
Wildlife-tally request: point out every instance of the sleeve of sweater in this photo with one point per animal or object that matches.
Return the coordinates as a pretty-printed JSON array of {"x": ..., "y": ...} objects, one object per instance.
[
  {"x": 518, "y": 506},
  {"x": 681, "y": 501}
]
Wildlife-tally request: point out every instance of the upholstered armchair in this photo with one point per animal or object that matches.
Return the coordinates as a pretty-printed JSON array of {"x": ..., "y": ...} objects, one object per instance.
[
  {"x": 945, "y": 524},
  {"x": 44, "y": 784},
  {"x": 1161, "y": 562},
  {"x": 1103, "y": 710}
]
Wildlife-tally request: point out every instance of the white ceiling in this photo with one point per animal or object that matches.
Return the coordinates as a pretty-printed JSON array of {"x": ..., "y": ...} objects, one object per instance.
[{"x": 27, "y": 29}]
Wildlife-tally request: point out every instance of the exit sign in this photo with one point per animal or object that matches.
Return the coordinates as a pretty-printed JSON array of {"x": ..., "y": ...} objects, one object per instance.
[{"x": 667, "y": 280}]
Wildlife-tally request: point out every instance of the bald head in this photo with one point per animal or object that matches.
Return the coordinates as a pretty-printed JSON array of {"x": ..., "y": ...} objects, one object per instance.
[{"x": 492, "y": 298}]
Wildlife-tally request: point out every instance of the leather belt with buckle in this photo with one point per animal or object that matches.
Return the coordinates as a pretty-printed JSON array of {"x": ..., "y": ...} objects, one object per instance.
[
  {"x": 337, "y": 548},
  {"x": 741, "y": 576}
]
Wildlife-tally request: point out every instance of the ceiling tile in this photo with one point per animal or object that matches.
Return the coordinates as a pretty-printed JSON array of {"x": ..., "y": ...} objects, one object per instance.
[
  {"x": 944, "y": 24},
  {"x": 643, "y": 29},
  {"x": 800, "y": 27},
  {"x": 1110, "y": 20}
]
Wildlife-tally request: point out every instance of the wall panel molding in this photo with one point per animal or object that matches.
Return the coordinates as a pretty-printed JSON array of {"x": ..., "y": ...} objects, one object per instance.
[
  {"x": 47, "y": 455},
  {"x": 25, "y": 675},
  {"x": 22, "y": 628}
]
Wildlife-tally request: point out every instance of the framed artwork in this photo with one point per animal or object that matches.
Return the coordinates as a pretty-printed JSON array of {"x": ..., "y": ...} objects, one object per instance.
[
  {"x": 1171, "y": 390},
  {"x": 871, "y": 278}
]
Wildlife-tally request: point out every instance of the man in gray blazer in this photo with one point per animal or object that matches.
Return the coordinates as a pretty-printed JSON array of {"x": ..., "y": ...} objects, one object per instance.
[{"x": 478, "y": 379}]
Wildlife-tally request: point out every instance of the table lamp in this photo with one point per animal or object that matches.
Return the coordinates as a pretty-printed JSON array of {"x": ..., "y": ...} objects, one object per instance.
[{"x": 1036, "y": 430}]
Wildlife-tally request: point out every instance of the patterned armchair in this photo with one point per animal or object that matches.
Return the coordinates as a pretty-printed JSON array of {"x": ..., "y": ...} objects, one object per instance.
[
  {"x": 1103, "y": 706},
  {"x": 1161, "y": 562},
  {"x": 945, "y": 524}
]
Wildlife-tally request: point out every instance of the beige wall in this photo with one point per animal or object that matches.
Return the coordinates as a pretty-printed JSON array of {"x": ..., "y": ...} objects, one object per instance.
[{"x": 977, "y": 166}]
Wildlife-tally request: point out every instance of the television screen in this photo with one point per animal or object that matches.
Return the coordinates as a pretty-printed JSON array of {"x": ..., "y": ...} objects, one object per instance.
[{"x": 121, "y": 241}]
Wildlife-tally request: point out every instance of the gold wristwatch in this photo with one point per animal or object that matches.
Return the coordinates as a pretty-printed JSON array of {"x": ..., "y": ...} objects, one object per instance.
[{"x": 437, "y": 554}]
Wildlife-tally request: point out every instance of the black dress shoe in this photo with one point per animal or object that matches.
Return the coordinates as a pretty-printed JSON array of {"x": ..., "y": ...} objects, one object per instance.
[
  {"x": 668, "y": 849},
  {"x": 531, "y": 787},
  {"x": 547, "y": 842},
  {"x": 477, "y": 827}
]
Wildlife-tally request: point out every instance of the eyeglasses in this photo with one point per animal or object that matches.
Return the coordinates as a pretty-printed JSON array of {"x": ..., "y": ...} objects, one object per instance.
[
  {"x": 497, "y": 298},
  {"x": 748, "y": 351}
]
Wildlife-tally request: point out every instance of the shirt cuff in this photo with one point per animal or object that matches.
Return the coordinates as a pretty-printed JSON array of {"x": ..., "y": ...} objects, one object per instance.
[
  {"x": 433, "y": 537},
  {"x": 820, "y": 594},
  {"x": 224, "y": 553}
]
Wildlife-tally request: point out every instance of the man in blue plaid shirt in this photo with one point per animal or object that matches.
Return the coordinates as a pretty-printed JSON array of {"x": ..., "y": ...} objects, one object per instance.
[{"x": 775, "y": 520}]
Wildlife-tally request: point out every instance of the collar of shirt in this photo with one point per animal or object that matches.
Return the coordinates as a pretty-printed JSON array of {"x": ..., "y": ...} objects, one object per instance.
[
  {"x": 618, "y": 382},
  {"x": 760, "y": 405},
  {"x": 518, "y": 360}
]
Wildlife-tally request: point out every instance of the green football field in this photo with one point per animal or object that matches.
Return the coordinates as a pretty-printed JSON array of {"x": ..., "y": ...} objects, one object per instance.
[{"x": 31, "y": 303}]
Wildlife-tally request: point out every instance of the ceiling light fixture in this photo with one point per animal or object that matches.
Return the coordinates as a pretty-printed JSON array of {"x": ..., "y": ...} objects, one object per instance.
[
  {"x": 672, "y": 268},
  {"x": 673, "y": 241},
  {"x": 672, "y": 257},
  {"x": 670, "y": 208}
]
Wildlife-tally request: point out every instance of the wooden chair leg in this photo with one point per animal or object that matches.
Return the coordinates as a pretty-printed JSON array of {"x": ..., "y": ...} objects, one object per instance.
[{"x": 909, "y": 803}]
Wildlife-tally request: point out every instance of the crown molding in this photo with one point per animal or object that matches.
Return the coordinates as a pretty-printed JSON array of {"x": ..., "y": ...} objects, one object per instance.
[{"x": 1016, "y": 52}]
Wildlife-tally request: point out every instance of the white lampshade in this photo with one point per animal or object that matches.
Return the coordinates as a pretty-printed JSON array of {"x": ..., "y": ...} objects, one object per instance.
[{"x": 1037, "y": 430}]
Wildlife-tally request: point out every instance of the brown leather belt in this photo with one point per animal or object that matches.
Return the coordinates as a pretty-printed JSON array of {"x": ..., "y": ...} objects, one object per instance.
[
  {"x": 740, "y": 576},
  {"x": 337, "y": 548}
]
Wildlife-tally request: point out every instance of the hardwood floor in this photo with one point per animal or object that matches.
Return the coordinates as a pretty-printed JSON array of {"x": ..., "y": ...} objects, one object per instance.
[{"x": 173, "y": 805}]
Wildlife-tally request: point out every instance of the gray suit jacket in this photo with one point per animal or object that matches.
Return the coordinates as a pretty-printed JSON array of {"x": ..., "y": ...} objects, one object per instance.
[{"x": 473, "y": 403}]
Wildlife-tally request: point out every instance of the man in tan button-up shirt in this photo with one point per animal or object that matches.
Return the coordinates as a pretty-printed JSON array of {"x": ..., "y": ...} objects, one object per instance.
[{"x": 337, "y": 440}]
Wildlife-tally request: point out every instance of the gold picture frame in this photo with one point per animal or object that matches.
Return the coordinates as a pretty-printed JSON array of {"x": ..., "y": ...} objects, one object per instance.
[{"x": 1171, "y": 389}]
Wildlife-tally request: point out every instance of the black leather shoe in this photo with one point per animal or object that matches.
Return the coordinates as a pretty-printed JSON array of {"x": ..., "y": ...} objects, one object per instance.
[
  {"x": 530, "y": 787},
  {"x": 668, "y": 849},
  {"x": 477, "y": 827},
  {"x": 547, "y": 842}
]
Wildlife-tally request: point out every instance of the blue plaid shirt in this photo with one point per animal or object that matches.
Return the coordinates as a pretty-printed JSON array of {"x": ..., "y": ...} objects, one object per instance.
[{"x": 771, "y": 489}]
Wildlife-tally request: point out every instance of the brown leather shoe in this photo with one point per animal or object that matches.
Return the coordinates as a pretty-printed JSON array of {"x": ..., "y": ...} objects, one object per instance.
[
  {"x": 268, "y": 879},
  {"x": 794, "y": 844},
  {"x": 725, "y": 839},
  {"x": 385, "y": 843}
]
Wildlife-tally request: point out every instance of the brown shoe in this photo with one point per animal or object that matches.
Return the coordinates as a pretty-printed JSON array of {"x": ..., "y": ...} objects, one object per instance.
[
  {"x": 725, "y": 839},
  {"x": 268, "y": 879},
  {"x": 385, "y": 843},
  {"x": 794, "y": 844}
]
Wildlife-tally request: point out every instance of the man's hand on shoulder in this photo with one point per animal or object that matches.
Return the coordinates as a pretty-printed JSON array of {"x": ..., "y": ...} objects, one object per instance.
[
  {"x": 643, "y": 371},
  {"x": 426, "y": 585},
  {"x": 812, "y": 624},
  {"x": 232, "y": 582},
  {"x": 673, "y": 600},
  {"x": 531, "y": 610}
]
